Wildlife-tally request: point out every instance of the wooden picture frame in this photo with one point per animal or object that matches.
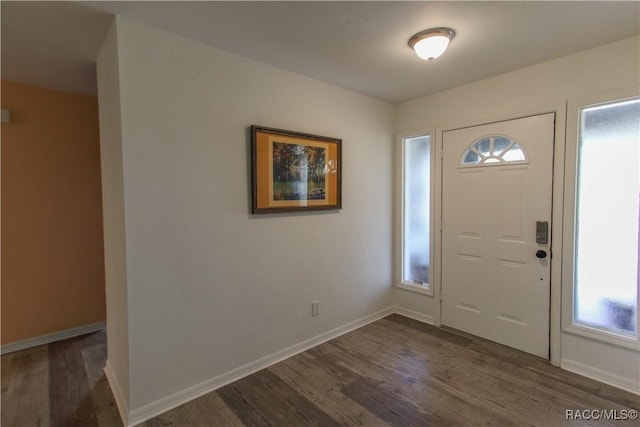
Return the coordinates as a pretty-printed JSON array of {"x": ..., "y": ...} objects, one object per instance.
[{"x": 293, "y": 171}]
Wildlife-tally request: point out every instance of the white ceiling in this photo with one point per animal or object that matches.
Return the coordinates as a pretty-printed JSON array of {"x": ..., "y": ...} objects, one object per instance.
[{"x": 361, "y": 46}]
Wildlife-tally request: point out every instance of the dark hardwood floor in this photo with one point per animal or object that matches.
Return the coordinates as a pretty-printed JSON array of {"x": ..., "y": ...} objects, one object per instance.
[{"x": 393, "y": 372}]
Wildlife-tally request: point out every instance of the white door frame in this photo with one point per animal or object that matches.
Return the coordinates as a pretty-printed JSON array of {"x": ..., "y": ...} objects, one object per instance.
[{"x": 557, "y": 205}]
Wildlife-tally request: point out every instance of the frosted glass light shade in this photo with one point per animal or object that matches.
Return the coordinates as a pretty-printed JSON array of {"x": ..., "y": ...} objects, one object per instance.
[
  {"x": 431, "y": 47},
  {"x": 430, "y": 44}
]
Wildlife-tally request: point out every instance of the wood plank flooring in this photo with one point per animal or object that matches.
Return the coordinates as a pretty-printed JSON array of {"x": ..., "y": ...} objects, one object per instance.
[{"x": 393, "y": 372}]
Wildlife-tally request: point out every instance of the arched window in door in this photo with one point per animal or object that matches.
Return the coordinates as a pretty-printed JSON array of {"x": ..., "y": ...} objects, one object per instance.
[{"x": 493, "y": 150}]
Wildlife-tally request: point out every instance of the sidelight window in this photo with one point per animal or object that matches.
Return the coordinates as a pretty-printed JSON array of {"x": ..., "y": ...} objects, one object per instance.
[
  {"x": 416, "y": 160},
  {"x": 607, "y": 216}
]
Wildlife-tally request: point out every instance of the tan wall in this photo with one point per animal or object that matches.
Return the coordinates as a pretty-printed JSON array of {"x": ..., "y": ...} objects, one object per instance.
[{"x": 52, "y": 244}]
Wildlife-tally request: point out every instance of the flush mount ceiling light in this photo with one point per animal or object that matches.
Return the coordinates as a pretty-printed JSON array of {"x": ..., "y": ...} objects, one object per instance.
[{"x": 430, "y": 44}]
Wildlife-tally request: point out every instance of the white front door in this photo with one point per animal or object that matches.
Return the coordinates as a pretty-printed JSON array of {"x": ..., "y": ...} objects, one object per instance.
[{"x": 497, "y": 182}]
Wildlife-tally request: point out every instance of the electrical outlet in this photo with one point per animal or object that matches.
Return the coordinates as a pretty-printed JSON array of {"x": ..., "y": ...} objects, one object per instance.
[{"x": 315, "y": 308}]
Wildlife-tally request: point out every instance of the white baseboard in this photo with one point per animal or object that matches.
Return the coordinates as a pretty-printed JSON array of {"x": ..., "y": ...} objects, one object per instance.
[
  {"x": 121, "y": 401},
  {"x": 628, "y": 384},
  {"x": 414, "y": 315},
  {"x": 49, "y": 338},
  {"x": 144, "y": 413}
]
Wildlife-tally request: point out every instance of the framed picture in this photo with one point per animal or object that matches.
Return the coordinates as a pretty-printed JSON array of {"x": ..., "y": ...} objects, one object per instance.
[{"x": 294, "y": 171}]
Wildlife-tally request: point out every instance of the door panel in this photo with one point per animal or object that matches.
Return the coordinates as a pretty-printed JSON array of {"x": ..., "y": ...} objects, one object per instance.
[
  {"x": 510, "y": 227},
  {"x": 493, "y": 285},
  {"x": 469, "y": 189}
]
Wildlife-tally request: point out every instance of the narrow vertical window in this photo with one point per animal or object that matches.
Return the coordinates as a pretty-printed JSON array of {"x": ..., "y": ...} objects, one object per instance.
[
  {"x": 607, "y": 216},
  {"x": 416, "y": 203}
]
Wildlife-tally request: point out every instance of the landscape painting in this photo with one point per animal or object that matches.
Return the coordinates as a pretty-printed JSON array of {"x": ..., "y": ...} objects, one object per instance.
[
  {"x": 293, "y": 171},
  {"x": 298, "y": 172}
]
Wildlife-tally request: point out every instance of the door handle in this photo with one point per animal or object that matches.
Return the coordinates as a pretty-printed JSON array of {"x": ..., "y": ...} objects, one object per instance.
[{"x": 541, "y": 254}]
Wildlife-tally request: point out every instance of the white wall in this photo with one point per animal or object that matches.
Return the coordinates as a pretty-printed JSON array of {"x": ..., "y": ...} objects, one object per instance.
[
  {"x": 596, "y": 70},
  {"x": 113, "y": 220},
  {"x": 539, "y": 88},
  {"x": 211, "y": 287}
]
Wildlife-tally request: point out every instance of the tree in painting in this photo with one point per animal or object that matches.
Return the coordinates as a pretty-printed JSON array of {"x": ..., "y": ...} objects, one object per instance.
[{"x": 298, "y": 172}]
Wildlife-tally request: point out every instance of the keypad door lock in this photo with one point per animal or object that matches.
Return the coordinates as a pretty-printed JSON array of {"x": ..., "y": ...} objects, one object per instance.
[{"x": 542, "y": 232}]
